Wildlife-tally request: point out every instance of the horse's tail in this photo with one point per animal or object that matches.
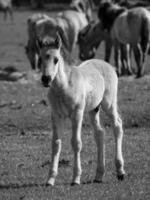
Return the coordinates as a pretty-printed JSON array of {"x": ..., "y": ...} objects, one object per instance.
[{"x": 145, "y": 34}]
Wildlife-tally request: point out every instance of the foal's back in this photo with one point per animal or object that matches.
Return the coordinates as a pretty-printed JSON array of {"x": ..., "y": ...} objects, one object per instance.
[{"x": 99, "y": 81}]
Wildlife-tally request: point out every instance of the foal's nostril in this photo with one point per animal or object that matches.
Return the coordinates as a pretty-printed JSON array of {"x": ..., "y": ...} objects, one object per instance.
[{"x": 46, "y": 80}]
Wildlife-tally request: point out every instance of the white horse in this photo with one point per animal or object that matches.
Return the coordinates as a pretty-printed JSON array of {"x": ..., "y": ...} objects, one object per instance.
[
  {"x": 6, "y": 7},
  {"x": 84, "y": 6},
  {"x": 72, "y": 90},
  {"x": 31, "y": 47},
  {"x": 69, "y": 23}
]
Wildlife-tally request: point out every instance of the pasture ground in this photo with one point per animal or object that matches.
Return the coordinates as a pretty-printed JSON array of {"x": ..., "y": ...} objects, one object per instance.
[{"x": 25, "y": 134}]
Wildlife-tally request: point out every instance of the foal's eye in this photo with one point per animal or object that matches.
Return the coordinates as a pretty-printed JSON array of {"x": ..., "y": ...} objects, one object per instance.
[{"x": 55, "y": 60}]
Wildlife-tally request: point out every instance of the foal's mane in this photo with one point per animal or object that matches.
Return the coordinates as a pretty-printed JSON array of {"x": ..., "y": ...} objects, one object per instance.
[
  {"x": 108, "y": 12},
  {"x": 50, "y": 42}
]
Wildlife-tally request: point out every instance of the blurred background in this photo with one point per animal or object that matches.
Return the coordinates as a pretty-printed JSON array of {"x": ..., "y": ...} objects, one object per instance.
[{"x": 36, "y": 4}]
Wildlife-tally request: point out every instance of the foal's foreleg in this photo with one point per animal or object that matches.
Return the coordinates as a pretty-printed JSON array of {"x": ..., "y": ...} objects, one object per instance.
[
  {"x": 99, "y": 139},
  {"x": 77, "y": 145},
  {"x": 56, "y": 149}
]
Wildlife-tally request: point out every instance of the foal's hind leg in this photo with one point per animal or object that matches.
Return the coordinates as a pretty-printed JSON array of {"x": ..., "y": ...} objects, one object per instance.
[
  {"x": 118, "y": 134},
  {"x": 99, "y": 139}
]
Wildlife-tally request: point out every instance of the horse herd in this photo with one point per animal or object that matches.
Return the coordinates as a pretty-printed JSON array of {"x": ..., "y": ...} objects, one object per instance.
[{"x": 125, "y": 30}]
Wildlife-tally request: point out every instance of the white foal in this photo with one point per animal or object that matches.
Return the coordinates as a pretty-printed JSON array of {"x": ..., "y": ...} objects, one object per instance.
[{"x": 72, "y": 90}]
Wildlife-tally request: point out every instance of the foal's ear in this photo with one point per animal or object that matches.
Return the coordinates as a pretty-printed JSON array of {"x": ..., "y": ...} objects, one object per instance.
[{"x": 58, "y": 41}]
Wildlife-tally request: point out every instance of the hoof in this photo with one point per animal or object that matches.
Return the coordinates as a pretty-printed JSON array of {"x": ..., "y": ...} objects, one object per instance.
[
  {"x": 51, "y": 182},
  {"x": 97, "y": 181},
  {"x": 139, "y": 76},
  {"x": 121, "y": 177},
  {"x": 74, "y": 184}
]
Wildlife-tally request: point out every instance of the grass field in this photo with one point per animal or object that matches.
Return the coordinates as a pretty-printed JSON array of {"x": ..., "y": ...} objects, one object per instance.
[{"x": 25, "y": 134}]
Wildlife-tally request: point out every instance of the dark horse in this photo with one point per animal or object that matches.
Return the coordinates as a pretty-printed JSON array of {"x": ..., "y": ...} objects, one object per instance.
[{"x": 128, "y": 27}]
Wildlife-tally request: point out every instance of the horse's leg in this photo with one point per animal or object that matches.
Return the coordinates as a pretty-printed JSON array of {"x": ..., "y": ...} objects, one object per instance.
[
  {"x": 99, "y": 139},
  {"x": 117, "y": 58},
  {"x": 56, "y": 148},
  {"x": 11, "y": 13},
  {"x": 76, "y": 142},
  {"x": 139, "y": 59},
  {"x": 125, "y": 59},
  {"x": 5, "y": 14},
  {"x": 112, "y": 112},
  {"x": 144, "y": 47},
  {"x": 129, "y": 50},
  {"x": 108, "y": 49}
]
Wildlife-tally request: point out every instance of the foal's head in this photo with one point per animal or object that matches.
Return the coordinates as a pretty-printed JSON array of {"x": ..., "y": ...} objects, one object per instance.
[{"x": 50, "y": 58}]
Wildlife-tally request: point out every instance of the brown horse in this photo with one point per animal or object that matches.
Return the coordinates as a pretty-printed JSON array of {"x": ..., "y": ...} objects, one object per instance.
[
  {"x": 91, "y": 37},
  {"x": 128, "y": 27}
]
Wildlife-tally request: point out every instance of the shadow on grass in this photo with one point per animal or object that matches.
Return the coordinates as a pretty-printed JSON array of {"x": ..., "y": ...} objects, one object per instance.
[
  {"x": 17, "y": 185},
  {"x": 10, "y": 73}
]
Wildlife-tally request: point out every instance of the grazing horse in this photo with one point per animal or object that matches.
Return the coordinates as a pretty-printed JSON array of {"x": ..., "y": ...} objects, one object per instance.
[
  {"x": 84, "y": 6},
  {"x": 6, "y": 7},
  {"x": 69, "y": 23},
  {"x": 91, "y": 37},
  {"x": 128, "y": 27},
  {"x": 31, "y": 47},
  {"x": 72, "y": 91}
]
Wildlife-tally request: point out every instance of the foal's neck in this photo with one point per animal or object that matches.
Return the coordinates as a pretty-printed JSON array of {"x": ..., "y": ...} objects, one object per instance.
[{"x": 61, "y": 81}]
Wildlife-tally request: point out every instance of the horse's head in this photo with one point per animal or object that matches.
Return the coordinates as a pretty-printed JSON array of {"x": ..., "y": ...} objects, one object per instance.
[
  {"x": 89, "y": 39},
  {"x": 108, "y": 12},
  {"x": 32, "y": 55},
  {"x": 49, "y": 53}
]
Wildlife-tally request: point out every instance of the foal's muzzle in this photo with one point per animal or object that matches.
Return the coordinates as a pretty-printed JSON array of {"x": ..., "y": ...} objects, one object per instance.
[{"x": 46, "y": 80}]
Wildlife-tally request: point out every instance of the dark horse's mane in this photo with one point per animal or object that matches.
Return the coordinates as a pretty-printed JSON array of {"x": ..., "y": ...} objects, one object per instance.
[
  {"x": 67, "y": 56},
  {"x": 108, "y": 12}
]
